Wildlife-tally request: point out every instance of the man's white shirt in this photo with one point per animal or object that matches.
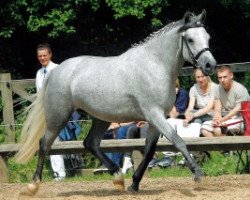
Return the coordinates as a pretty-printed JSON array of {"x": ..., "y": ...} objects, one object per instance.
[{"x": 42, "y": 73}]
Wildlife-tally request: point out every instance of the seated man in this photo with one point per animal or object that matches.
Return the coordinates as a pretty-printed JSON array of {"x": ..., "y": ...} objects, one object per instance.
[
  {"x": 228, "y": 98},
  {"x": 135, "y": 130}
]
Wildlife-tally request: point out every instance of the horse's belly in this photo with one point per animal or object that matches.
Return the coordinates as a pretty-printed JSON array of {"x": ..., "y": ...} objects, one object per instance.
[{"x": 110, "y": 110}]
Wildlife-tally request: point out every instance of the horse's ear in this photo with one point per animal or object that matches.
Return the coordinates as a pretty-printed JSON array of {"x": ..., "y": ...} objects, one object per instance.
[
  {"x": 187, "y": 17},
  {"x": 203, "y": 16}
]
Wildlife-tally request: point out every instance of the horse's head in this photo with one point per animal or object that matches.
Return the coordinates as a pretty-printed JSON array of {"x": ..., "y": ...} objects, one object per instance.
[{"x": 195, "y": 43}]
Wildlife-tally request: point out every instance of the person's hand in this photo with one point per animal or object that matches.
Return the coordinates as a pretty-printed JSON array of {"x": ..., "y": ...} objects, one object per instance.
[
  {"x": 114, "y": 126},
  {"x": 217, "y": 122},
  {"x": 140, "y": 124},
  {"x": 189, "y": 116},
  {"x": 185, "y": 123}
]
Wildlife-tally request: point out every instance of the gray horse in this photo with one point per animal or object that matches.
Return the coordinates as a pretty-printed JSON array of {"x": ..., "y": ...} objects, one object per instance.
[{"x": 134, "y": 86}]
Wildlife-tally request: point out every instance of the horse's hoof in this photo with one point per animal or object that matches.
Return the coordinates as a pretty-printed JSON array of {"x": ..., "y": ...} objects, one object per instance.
[
  {"x": 119, "y": 181},
  {"x": 31, "y": 189},
  {"x": 133, "y": 190},
  {"x": 119, "y": 184},
  {"x": 198, "y": 177}
]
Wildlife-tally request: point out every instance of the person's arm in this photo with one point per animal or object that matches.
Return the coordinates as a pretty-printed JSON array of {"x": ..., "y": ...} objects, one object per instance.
[
  {"x": 241, "y": 94},
  {"x": 174, "y": 113},
  {"x": 140, "y": 124},
  {"x": 115, "y": 125},
  {"x": 38, "y": 81},
  {"x": 181, "y": 103},
  {"x": 231, "y": 113},
  {"x": 189, "y": 113},
  {"x": 205, "y": 110},
  {"x": 217, "y": 113}
]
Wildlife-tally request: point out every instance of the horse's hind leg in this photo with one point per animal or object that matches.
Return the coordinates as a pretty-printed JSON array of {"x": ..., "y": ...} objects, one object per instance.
[
  {"x": 52, "y": 131},
  {"x": 92, "y": 143},
  {"x": 150, "y": 146},
  {"x": 44, "y": 147}
]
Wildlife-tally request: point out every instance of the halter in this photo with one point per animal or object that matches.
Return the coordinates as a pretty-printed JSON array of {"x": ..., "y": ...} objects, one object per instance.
[{"x": 196, "y": 57}]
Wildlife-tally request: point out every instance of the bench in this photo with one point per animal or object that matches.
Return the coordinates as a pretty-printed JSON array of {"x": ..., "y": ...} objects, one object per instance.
[{"x": 228, "y": 143}]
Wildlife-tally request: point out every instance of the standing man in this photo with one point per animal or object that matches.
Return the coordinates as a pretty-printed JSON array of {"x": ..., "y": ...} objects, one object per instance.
[
  {"x": 44, "y": 55},
  {"x": 227, "y": 105}
]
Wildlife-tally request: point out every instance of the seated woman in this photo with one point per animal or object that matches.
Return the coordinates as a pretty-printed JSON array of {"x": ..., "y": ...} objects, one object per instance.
[{"x": 200, "y": 107}]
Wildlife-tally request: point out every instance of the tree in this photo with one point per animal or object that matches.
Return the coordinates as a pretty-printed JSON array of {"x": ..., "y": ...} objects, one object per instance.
[
  {"x": 109, "y": 27},
  {"x": 58, "y": 17}
]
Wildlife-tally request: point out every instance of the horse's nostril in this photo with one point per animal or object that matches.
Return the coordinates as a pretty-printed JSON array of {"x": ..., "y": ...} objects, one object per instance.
[{"x": 208, "y": 66}]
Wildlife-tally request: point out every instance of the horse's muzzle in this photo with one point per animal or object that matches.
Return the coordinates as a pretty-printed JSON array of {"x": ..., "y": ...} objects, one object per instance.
[{"x": 208, "y": 66}]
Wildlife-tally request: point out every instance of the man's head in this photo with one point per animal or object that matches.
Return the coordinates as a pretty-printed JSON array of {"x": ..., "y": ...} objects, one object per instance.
[
  {"x": 44, "y": 54},
  {"x": 225, "y": 76}
]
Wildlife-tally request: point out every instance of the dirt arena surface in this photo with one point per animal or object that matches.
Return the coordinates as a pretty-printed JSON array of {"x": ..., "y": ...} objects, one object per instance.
[{"x": 236, "y": 187}]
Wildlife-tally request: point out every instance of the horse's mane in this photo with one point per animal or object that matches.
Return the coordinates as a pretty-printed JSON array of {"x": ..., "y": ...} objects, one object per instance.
[
  {"x": 194, "y": 22},
  {"x": 161, "y": 31}
]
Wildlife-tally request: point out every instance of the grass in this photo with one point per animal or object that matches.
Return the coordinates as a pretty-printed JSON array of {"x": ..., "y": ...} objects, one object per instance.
[{"x": 217, "y": 165}]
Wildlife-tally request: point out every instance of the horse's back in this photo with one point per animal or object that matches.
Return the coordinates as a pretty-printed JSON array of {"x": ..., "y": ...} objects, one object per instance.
[
  {"x": 119, "y": 88},
  {"x": 97, "y": 85}
]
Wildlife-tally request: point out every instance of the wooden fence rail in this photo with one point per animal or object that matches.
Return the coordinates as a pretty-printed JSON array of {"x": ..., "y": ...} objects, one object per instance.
[{"x": 227, "y": 143}]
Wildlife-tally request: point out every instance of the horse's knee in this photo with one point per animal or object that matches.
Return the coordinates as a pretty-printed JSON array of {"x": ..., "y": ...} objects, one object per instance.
[
  {"x": 91, "y": 145},
  {"x": 87, "y": 143},
  {"x": 181, "y": 146}
]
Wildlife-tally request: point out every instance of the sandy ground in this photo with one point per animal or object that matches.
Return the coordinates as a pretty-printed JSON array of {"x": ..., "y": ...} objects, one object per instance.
[{"x": 222, "y": 187}]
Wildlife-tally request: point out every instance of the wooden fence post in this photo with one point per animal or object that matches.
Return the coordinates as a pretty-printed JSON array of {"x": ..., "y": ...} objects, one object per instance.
[
  {"x": 4, "y": 178},
  {"x": 7, "y": 102},
  {"x": 137, "y": 158}
]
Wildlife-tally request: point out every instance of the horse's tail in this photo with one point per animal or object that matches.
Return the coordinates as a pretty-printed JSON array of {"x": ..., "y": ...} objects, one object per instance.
[{"x": 33, "y": 129}]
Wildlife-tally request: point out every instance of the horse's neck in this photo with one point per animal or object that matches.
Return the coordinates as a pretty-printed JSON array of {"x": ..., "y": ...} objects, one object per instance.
[{"x": 167, "y": 49}]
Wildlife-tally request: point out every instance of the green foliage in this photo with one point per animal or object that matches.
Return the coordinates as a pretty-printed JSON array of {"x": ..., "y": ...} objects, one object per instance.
[
  {"x": 58, "y": 18},
  {"x": 220, "y": 164},
  {"x": 55, "y": 17},
  {"x": 138, "y": 9},
  {"x": 2, "y": 134},
  {"x": 246, "y": 80},
  {"x": 24, "y": 172},
  {"x": 135, "y": 8}
]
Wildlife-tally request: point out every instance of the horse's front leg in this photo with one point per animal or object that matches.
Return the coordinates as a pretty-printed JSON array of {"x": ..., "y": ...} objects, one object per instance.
[
  {"x": 150, "y": 146},
  {"x": 92, "y": 143},
  {"x": 159, "y": 121}
]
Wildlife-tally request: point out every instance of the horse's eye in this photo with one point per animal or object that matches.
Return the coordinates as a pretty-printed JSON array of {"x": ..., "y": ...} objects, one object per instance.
[{"x": 190, "y": 40}]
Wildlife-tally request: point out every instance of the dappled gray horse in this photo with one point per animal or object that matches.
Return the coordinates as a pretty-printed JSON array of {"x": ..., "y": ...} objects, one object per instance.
[{"x": 136, "y": 85}]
